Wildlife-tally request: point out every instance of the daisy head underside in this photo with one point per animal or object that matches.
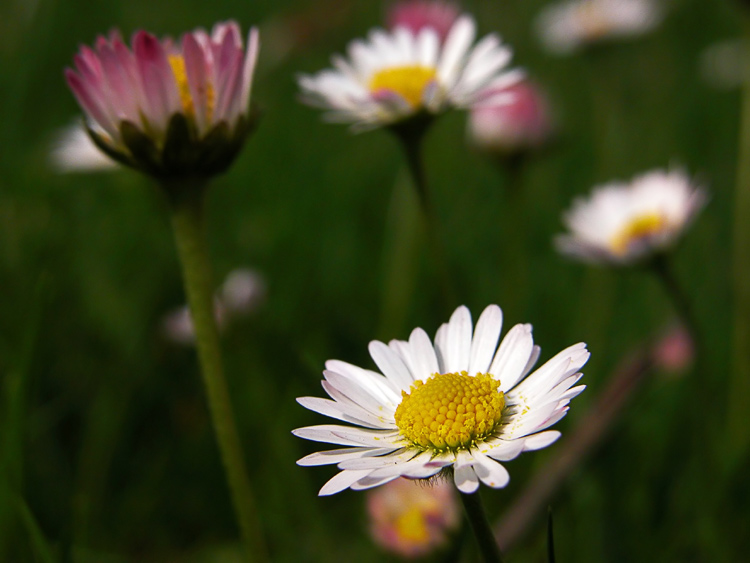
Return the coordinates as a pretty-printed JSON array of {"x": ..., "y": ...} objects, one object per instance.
[
  {"x": 398, "y": 74},
  {"x": 461, "y": 403}
]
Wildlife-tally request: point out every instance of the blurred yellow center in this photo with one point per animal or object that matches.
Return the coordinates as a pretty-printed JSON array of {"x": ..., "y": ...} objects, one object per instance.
[
  {"x": 639, "y": 228},
  {"x": 411, "y": 526},
  {"x": 408, "y": 82},
  {"x": 450, "y": 411},
  {"x": 177, "y": 63}
]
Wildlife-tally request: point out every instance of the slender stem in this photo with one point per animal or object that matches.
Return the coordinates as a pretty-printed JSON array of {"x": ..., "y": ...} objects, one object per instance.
[
  {"x": 661, "y": 267},
  {"x": 739, "y": 383},
  {"x": 412, "y": 140},
  {"x": 187, "y": 223},
  {"x": 481, "y": 527}
]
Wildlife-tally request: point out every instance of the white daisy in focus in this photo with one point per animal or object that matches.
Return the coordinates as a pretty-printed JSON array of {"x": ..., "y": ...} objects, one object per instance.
[
  {"x": 622, "y": 223},
  {"x": 462, "y": 403},
  {"x": 397, "y": 74},
  {"x": 567, "y": 26},
  {"x": 74, "y": 151}
]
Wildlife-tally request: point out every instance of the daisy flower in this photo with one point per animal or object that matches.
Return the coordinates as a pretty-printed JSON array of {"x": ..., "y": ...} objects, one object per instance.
[
  {"x": 522, "y": 123},
  {"x": 411, "y": 520},
  {"x": 622, "y": 223},
  {"x": 416, "y": 15},
  {"x": 461, "y": 402},
  {"x": 74, "y": 151},
  {"x": 567, "y": 26},
  {"x": 168, "y": 108},
  {"x": 398, "y": 74}
]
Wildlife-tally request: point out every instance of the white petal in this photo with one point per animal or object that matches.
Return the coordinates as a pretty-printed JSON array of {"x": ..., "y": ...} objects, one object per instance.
[
  {"x": 336, "y": 456},
  {"x": 391, "y": 365},
  {"x": 455, "y": 48},
  {"x": 512, "y": 356},
  {"x": 463, "y": 473},
  {"x": 486, "y": 335},
  {"x": 398, "y": 457},
  {"x": 458, "y": 341},
  {"x": 490, "y": 472},
  {"x": 541, "y": 440},
  {"x": 341, "y": 481},
  {"x": 346, "y": 412},
  {"x": 371, "y": 481},
  {"x": 347, "y": 435}
]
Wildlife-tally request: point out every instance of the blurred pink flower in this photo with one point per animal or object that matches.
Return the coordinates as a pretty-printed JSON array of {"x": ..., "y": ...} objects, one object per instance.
[
  {"x": 177, "y": 325},
  {"x": 518, "y": 121},
  {"x": 416, "y": 15},
  {"x": 165, "y": 107},
  {"x": 675, "y": 352},
  {"x": 410, "y": 518}
]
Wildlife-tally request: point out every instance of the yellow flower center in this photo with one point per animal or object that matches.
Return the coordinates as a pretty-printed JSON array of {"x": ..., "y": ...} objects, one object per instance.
[
  {"x": 408, "y": 82},
  {"x": 177, "y": 63},
  {"x": 636, "y": 230},
  {"x": 411, "y": 526},
  {"x": 450, "y": 411}
]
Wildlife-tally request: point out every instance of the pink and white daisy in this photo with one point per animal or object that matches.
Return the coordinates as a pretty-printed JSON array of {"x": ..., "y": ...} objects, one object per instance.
[
  {"x": 521, "y": 122},
  {"x": 622, "y": 223},
  {"x": 410, "y": 519},
  {"x": 462, "y": 402},
  {"x": 166, "y": 107},
  {"x": 416, "y": 15},
  {"x": 395, "y": 75}
]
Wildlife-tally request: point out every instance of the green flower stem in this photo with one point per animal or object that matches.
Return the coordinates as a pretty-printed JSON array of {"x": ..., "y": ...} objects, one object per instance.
[
  {"x": 412, "y": 136},
  {"x": 481, "y": 527},
  {"x": 661, "y": 267},
  {"x": 739, "y": 382},
  {"x": 187, "y": 223}
]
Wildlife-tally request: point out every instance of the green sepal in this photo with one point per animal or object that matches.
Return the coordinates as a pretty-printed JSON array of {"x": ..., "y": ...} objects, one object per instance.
[
  {"x": 144, "y": 152},
  {"x": 106, "y": 147}
]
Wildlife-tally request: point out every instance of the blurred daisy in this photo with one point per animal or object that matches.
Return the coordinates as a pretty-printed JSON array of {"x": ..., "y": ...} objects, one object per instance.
[
  {"x": 462, "y": 403},
  {"x": 168, "y": 108},
  {"x": 416, "y": 15},
  {"x": 74, "y": 151},
  {"x": 412, "y": 519},
  {"x": 395, "y": 75},
  {"x": 567, "y": 26},
  {"x": 520, "y": 123},
  {"x": 622, "y": 223}
]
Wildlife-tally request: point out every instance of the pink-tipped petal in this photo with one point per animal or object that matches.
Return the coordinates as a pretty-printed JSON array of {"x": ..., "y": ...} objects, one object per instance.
[
  {"x": 198, "y": 79},
  {"x": 157, "y": 77},
  {"x": 253, "y": 46},
  {"x": 89, "y": 102}
]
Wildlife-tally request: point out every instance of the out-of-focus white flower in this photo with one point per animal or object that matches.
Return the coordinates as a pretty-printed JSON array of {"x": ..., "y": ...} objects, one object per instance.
[
  {"x": 461, "y": 402},
  {"x": 177, "y": 325},
  {"x": 168, "y": 108},
  {"x": 399, "y": 74},
  {"x": 521, "y": 122},
  {"x": 410, "y": 518},
  {"x": 416, "y": 15},
  {"x": 721, "y": 64},
  {"x": 567, "y": 26},
  {"x": 242, "y": 291},
  {"x": 74, "y": 151},
  {"x": 622, "y": 223}
]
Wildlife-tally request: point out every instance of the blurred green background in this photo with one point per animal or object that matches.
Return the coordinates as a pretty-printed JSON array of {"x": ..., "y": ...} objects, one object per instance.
[{"x": 105, "y": 438}]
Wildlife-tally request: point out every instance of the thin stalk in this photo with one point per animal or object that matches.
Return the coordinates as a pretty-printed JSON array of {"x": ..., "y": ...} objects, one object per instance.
[
  {"x": 412, "y": 141},
  {"x": 739, "y": 382},
  {"x": 661, "y": 267},
  {"x": 481, "y": 526},
  {"x": 187, "y": 223}
]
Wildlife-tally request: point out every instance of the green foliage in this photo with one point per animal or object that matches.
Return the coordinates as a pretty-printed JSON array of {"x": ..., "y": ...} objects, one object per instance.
[{"x": 105, "y": 432}]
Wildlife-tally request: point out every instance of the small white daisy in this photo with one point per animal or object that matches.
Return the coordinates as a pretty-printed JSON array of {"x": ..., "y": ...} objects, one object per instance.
[
  {"x": 74, "y": 151},
  {"x": 567, "y": 26},
  {"x": 397, "y": 74},
  {"x": 461, "y": 402},
  {"x": 622, "y": 223}
]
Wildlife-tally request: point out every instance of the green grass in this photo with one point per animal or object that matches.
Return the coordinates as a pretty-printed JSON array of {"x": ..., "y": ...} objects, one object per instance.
[{"x": 105, "y": 433}]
